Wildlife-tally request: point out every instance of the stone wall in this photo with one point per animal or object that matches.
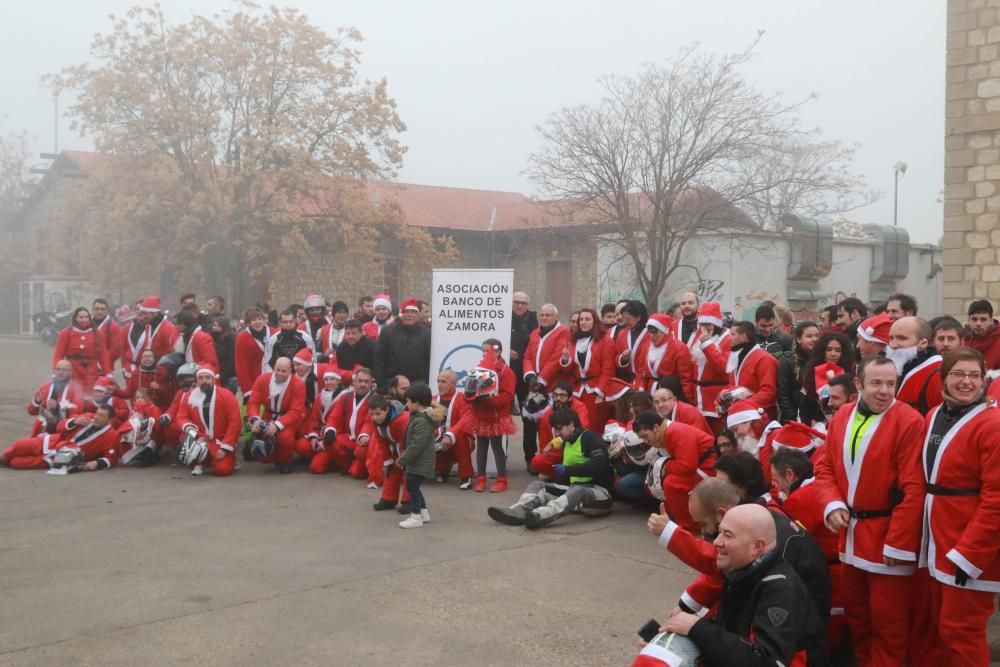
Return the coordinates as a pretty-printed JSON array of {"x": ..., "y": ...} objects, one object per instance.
[{"x": 971, "y": 243}]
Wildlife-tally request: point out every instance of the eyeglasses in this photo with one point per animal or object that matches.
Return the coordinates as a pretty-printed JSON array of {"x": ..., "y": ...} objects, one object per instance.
[{"x": 959, "y": 375}]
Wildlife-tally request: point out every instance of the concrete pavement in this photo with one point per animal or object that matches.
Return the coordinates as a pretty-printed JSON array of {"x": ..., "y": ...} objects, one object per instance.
[{"x": 155, "y": 567}]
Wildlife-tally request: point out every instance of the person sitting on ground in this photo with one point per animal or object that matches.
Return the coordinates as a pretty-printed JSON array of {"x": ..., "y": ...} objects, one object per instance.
[
  {"x": 766, "y": 614},
  {"x": 744, "y": 471},
  {"x": 583, "y": 480}
]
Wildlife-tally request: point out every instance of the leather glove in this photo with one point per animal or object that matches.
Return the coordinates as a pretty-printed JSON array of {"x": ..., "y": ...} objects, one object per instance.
[
  {"x": 329, "y": 437},
  {"x": 961, "y": 577},
  {"x": 164, "y": 420}
]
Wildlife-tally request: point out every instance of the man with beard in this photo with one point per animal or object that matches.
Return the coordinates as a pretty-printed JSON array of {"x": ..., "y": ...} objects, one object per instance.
[
  {"x": 286, "y": 341},
  {"x": 983, "y": 333},
  {"x": 316, "y": 319},
  {"x": 522, "y": 322},
  {"x": 873, "y": 335},
  {"x": 365, "y": 311},
  {"x": 917, "y": 363},
  {"x": 841, "y": 390},
  {"x": 343, "y": 433},
  {"x": 746, "y": 421},
  {"x": 403, "y": 348},
  {"x": 197, "y": 345},
  {"x": 947, "y": 334},
  {"x": 872, "y": 489},
  {"x": 149, "y": 330},
  {"x": 250, "y": 344},
  {"x": 709, "y": 503},
  {"x": 382, "y": 308},
  {"x": 686, "y": 329},
  {"x": 332, "y": 334},
  {"x": 850, "y": 313},
  {"x": 355, "y": 351},
  {"x": 562, "y": 399},
  {"x": 56, "y": 400},
  {"x": 275, "y": 408},
  {"x": 213, "y": 414},
  {"x": 898, "y": 306}
]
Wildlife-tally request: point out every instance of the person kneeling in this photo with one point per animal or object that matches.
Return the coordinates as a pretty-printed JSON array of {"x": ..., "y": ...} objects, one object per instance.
[
  {"x": 583, "y": 480},
  {"x": 765, "y": 615}
]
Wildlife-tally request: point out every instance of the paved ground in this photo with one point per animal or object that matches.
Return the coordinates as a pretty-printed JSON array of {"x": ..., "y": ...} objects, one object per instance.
[{"x": 151, "y": 567}]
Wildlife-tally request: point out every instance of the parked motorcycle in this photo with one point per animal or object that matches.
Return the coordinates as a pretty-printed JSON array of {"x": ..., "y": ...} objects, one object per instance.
[{"x": 49, "y": 324}]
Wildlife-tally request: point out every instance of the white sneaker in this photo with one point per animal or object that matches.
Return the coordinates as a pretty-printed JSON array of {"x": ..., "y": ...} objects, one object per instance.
[
  {"x": 372, "y": 485},
  {"x": 425, "y": 516},
  {"x": 197, "y": 470},
  {"x": 413, "y": 522}
]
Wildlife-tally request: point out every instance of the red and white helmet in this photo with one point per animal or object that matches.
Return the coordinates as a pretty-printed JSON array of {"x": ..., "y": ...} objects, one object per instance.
[
  {"x": 314, "y": 301},
  {"x": 654, "y": 477},
  {"x": 668, "y": 650}
]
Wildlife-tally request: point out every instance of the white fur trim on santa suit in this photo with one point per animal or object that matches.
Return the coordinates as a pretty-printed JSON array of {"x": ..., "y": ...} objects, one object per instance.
[
  {"x": 736, "y": 418},
  {"x": 382, "y": 301}
]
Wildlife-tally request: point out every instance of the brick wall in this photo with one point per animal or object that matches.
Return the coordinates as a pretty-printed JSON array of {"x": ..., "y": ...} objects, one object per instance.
[{"x": 972, "y": 155}]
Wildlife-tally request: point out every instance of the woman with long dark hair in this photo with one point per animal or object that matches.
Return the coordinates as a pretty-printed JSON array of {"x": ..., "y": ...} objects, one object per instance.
[
  {"x": 791, "y": 370},
  {"x": 832, "y": 355},
  {"x": 592, "y": 361},
  {"x": 81, "y": 344}
]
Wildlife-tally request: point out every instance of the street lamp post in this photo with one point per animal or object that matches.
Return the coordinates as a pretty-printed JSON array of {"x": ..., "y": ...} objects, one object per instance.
[{"x": 898, "y": 172}]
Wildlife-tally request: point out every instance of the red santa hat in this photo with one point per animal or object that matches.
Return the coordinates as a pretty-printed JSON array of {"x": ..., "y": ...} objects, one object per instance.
[
  {"x": 741, "y": 412},
  {"x": 304, "y": 357},
  {"x": 876, "y": 329},
  {"x": 796, "y": 435},
  {"x": 103, "y": 384},
  {"x": 660, "y": 321},
  {"x": 409, "y": 304},
  {"x": 710, "y": 312},
  {"x": 826, "y": 372},
  {"x": 151, "y": 304},
  {"x": 382, "y": 300}
]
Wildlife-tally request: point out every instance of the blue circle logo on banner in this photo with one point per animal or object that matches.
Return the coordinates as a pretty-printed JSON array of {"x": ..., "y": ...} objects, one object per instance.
[{"x": 461, "y": 360}]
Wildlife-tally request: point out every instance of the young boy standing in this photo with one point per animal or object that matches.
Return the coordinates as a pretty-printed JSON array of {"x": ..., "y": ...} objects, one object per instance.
[{"x": 417, "y": 459}]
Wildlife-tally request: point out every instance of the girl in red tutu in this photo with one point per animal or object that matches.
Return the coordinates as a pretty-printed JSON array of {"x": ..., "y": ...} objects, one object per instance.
[{"x": 491, "y": 395}]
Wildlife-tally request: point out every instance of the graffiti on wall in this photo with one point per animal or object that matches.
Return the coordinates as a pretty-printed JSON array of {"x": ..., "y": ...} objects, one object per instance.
[{"x": 710, "y": 290}]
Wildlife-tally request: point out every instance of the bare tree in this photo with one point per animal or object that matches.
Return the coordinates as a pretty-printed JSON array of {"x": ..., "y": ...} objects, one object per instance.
[{"x": 682, "y": 149}]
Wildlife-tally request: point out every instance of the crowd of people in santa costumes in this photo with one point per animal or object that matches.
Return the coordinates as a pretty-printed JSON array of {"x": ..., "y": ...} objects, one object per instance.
[{"x": 835, "y": 482}]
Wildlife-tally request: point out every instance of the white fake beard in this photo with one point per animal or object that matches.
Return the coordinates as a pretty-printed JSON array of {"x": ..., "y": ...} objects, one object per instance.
[
  {"x": 748, "y": 443},
  {"x": 900, "y": 356},
  {"x": 326, "y": 396},
  {"x": 733, "y": 361},
  {"x": 196, "y": 398},
  {"x": 275, "y": 389}
]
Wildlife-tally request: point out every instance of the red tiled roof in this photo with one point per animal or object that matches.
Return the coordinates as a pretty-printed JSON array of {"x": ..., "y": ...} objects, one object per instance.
[{"x": 437, "y": 207}]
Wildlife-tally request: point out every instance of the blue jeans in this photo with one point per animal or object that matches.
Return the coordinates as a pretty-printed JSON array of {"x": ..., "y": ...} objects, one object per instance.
[
  {"x": 632, "y": 487},
  {"x": 417, "y": 501}
]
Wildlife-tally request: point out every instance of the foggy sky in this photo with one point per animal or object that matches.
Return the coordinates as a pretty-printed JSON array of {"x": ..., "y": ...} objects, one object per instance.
[{"x": 474, "y": 79}]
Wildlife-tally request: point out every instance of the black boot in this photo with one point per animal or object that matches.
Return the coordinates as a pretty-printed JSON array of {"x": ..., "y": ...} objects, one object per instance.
[{"x": 383, "y": 505}]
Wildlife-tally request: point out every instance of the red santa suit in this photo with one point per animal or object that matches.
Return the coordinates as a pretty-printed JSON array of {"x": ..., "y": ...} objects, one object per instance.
[
  {"x": 592, "y": 364},
  {"x": 159, "y": 335},
  {"x": 162, "y": 394},
  {"x": 882, "y": 486},
  {"x": 373, "y": 327},
  {"x": 88, "y": 354},
  {"x": 307, "y": 447},
  {"x": 249, "y": 356},
  {"x": 758, "y": 373},
  {"x": 199, "y": 348},
  {"x": 284, "y": 406},
  {"x": 96, "y": 444},
  {"x": 670, "y": 358},
  {"x": 389, "y": 443},
  {"x": 685, "y": 413},
  {"x": 461, "y": 450},
  {"x": 169, "y": 435},
  {"x": 313, "y": 381},
  {"x": 70, "y": 401},
  {"x": 109, "y": 333},
  {"x": 345, "y": 421},
  {"x": 627, "y": 344},
  {"x": 711, "y": 362},
  {"x": 920, "y": 387},
  {"x": 962, "y": 528},
  {"x": 120, "y": 407},
  {"x": 793, "y": 435},
  {"x": 692, "y": 459},
  {"x": 218, "y": 421},
  {"x": 541, "y": 357}
]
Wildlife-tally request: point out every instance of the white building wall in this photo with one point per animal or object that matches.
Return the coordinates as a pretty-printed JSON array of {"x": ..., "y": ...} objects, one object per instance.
[{"x": 741, "y": 271}]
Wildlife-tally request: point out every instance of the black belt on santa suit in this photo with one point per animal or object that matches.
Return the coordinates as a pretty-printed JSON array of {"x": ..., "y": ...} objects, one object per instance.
[
  {"x": 711, "y": 383},
  {"x": 869, "y": 514},
  {"x": 936, "y": 490}
]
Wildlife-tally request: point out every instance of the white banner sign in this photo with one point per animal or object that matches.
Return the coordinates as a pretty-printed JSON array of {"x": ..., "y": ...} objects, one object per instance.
[{"x": 469, "y": 306}]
